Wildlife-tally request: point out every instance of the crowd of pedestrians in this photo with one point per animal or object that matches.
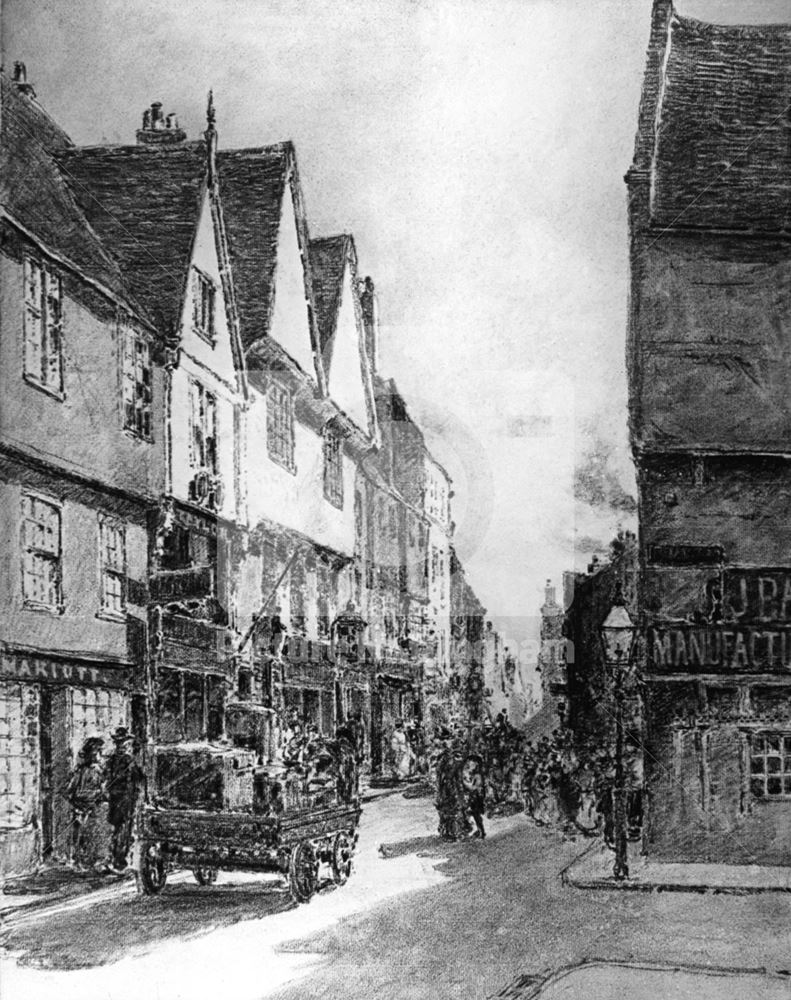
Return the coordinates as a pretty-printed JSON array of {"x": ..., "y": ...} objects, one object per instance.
[{"x": 492, "y": 769}]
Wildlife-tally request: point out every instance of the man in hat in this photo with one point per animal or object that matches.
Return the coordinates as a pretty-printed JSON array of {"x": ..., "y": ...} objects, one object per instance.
[{"x": 124, "y": 779}]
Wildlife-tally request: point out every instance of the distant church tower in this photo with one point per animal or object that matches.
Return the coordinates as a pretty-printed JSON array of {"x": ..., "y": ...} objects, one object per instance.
[{"x": 552, "y": 655}]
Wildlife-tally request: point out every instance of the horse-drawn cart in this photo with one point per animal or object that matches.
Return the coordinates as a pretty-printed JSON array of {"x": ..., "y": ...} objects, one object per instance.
[{"x": 301, "y": 837}]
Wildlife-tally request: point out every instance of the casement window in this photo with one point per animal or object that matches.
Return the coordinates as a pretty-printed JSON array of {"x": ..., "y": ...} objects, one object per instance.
[
  {"x": 112, "y": 554},
  {"x": 204, "y": 297},
  {"x": 43, "y": 326},
  {"x": 41, "y": 553},
  {"x": 770, "y": 765},
  {"x": 203, "y": 429},
  {"x": 434, "y": 563},
  {"x": 280, "y": 425},
  {"x": 136, "y": 383},
  {"x": 333, "y": 467}
]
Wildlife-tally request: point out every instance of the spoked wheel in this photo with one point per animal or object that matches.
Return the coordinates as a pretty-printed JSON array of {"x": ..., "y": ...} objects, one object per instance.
[
  {"x": 303, "y": 872},
  {"x": 342, "y": 850},
  {"x": 152, "y": 873},
  {"x": 205, "y": 876}
]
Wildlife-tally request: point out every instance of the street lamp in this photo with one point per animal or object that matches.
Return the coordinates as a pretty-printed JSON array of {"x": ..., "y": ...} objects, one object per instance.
[{"x": 617, "y": 634}]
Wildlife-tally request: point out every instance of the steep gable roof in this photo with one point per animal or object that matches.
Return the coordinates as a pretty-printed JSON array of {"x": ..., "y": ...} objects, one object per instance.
[
  {"x": 328, "y": 262},
  {"x": 35, "y": 194},
  {"x": 253, "y": 184},
  {"x": 721, "y": 151},
  {"x": 144, "y": 202}
]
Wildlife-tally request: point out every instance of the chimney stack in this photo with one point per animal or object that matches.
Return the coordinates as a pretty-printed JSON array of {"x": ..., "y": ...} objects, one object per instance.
[
  {"x": 159, "y": 130},
  {"x": 20, "y": 80}
]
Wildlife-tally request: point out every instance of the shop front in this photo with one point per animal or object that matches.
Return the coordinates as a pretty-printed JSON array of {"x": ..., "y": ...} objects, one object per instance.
[{"x": 49, "y": 707}]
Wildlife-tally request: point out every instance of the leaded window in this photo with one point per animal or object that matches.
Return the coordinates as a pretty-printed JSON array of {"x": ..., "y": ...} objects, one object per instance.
[
  {"x": 112, "y": 548},
  {"x": 41, "y": 553},
  {"x": 204, "y": 297},
  {"x": 280, "y": 425},
  {"x": 770, "y": 765},
  {"x": 136, "y": 383},
  {"x": 43, "y": 326},
  {"x": 333, "y": 467},
  {"x": 203, "y": 429}
]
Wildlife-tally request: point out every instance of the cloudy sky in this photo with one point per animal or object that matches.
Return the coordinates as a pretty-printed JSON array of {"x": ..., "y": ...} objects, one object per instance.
[{"x": 476, "y": 149}]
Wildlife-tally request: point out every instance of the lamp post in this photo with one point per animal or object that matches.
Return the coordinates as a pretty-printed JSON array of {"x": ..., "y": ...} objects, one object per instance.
[{"x": 617, "y": 633}]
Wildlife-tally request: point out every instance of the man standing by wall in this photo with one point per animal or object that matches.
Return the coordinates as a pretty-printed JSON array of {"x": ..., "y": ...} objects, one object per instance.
[{"x": 124, "y": 778}]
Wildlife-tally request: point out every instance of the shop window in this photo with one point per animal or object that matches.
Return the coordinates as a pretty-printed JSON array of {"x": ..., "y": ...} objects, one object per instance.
[
  {"x": 43, "y": 326},
  {"x": 280, "y": 425},
  {"x": 204, "y": 299},
  {"x": 136, "y": 383},
  {"x": 96, "y": 712},
  {"x": 324, "y": 599},
  {"x": 19, "y": 755},
  {"x": 312, "y": 708},
  {"x": 112, "y": 554},
  {"x": 770, "y": 765},
  {"x": 333, "y": 467},
  {"x": 169, "y": 706},
  {"x": 297, "y": 588},
  {"x": 189, "y": 706},
  {"x": 41, "y": 553}
]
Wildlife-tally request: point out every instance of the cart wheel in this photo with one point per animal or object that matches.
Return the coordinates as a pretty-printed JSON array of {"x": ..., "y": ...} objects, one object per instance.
[
  {"x": 303, "y": 871},
  {"x": 152, "y": 872},
  {"x": 342, "y": 850},
  {"x": 205, "y": 876}
]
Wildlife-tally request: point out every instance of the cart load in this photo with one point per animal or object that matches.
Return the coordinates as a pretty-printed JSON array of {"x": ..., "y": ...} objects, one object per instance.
[{"x": 216, "y": 809}]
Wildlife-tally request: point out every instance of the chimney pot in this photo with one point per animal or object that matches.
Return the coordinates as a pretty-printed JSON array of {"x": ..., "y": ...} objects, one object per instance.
[
  {"x": 158, "y": 130},
  {"x": 19, "y": 79}
]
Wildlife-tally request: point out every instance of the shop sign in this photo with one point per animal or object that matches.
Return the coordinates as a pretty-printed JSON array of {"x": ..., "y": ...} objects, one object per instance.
[
  {"x": 757, "y": 595},
  {"x": 40, "y": 669},
  {"x": 714, "y": 648},
  {"x": 685, "y": 555}
]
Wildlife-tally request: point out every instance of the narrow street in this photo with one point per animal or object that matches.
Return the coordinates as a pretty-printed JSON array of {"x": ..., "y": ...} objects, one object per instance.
[{"x": 427, "y": 919}]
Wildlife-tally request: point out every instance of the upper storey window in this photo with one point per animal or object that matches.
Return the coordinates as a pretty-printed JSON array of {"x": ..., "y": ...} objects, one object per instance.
[
  {"x": 136, "y": 383},
  {"x": 204, "y": 300},
  {"x": 280, "y": 425},
  {"x": 43, "y": 326},
  {"x": 333, "y": 467},
  {"x": 203, "y": 429}
]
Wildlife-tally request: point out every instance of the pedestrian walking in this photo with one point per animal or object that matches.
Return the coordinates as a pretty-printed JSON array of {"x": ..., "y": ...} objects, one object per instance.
[
  {"x": 401, "y": 753},
  {"x": 85, "y": 793},
  {"x": 475, "y": 792},
  {"x": 124, "y": 780},
  {"x": 450, "y": 803}
]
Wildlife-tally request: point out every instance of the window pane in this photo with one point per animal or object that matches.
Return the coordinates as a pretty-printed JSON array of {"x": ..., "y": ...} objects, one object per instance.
[
  {"x": 168, "y": 706},
  {"x": 193, "y": 707}
]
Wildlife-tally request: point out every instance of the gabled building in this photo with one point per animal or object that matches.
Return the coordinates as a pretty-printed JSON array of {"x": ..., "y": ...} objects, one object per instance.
[
  {"x": 709, "y": 365},
  {"x": 81, "y": 466}
]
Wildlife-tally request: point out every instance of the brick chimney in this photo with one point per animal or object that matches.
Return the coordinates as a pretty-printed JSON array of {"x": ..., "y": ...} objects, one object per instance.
[
  {"x": 19, "y": 80},
  {"x": 158, "y": 129}
]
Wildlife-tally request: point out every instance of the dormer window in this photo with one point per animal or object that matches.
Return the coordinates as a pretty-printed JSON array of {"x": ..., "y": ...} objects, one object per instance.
[{"x": 204, "y": 294}]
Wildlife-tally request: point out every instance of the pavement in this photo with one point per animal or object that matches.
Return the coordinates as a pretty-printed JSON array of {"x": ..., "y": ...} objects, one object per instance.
[
  {"x": 593, "y": 870},
  {"x": 419, "y": 919},
  {"x": 619, "y": 980}
]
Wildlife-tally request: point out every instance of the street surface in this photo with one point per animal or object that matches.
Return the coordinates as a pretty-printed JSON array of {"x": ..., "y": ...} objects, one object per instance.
[{"x": 426, "y": 920}]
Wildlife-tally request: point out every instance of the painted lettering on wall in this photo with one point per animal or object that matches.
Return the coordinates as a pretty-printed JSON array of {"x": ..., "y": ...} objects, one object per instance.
[
  {"x": 757, "y": 595},
  {"x": 713, "y": 648}
]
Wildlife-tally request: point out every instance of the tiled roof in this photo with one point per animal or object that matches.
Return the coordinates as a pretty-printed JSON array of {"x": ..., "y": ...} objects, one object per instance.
[
  {"x": 327, "y": 261},
  {"x": 35, "y": 194},
  {"x": 144, "y": 203},
  {"x": 723, "y": 146},
  {"x": 252, "y": 185}
]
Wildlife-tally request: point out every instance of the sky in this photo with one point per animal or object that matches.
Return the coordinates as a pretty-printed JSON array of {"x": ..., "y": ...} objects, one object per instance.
[{"x": 476, "y": 150}]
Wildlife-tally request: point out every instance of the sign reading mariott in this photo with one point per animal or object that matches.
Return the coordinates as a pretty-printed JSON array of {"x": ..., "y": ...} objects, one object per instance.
[{"x": 753, "y": 635}]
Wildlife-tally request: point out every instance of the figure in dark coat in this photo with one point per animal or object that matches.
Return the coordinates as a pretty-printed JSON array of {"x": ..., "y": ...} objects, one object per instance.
[
  {"x": 124, "y": 781},
  {"x": 85, "y": 793},
  {"x": 453, "y": 822}
]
